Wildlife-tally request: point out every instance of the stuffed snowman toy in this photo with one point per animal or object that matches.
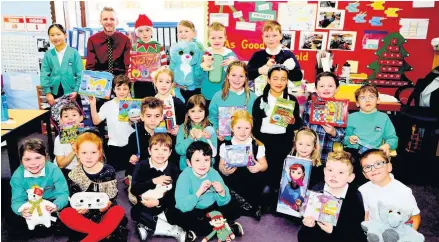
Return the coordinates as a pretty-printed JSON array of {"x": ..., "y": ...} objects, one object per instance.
[{"x": 37, "y": 206}]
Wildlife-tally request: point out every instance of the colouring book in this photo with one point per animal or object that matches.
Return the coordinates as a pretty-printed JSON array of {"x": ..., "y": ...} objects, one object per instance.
[
  {"x": 239, "y": 156},
  {"x": 293, "y": 185},
  {"x": 329, "y": 111},
  {"x": 96, "y": 83},
  {"x": 283, "y": 112},
  {"x": 69, "y": 133},
  {"x": 129, "y": 108},
  {"x": 322, "y": 207},
  {"x": 225, "y": 119},
  {"x": 142, "y": 64}
]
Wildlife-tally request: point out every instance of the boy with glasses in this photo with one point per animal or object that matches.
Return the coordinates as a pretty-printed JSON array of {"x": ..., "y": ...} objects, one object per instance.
[
  {"x": 383, "y": 187},
  {"x": 369, "y": 128}
]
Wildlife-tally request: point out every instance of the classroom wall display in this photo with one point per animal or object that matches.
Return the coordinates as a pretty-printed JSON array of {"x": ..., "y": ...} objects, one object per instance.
[
  {"x": 19, "y": 54},
  {"x": 313, "y": 41},
  {"x": 245, "y": 41}
]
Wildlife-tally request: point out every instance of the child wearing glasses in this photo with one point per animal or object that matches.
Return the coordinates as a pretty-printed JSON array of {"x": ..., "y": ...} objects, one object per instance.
[
  {"x": 369, "y": 128},
  {"x": 384, "y": 188}
]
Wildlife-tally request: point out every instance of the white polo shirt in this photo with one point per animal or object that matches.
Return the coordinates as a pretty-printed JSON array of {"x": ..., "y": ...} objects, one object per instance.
[
  {"x": 64, "y": 150},
  {"x": 118, "y": 132},
  {"x": 394, "y": 193}
]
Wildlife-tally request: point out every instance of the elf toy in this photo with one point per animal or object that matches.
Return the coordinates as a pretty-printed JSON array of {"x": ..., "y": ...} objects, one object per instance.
[
  {"x": 147, "y": 55},
  {"x": 220, "y": 227}
]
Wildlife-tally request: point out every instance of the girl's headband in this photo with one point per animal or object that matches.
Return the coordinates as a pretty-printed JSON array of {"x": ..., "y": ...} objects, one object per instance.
[{"x": 279, "y": 66}]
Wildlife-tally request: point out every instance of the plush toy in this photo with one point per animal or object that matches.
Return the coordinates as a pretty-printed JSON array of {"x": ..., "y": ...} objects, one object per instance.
[
  {"x": 156, "y": 193},
  {"x": 37, "y": 206},
  {"x": 220, "y": 227},
  {"x": 185, "y": 63},
  {"x": 89, "y": 200},
  {"x": 392, "y": 226}
]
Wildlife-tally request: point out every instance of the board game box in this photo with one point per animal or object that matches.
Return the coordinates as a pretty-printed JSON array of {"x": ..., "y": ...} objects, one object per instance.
[
  {"x": 142, "y": 64},
  {"x": 239, "y": 156},
  {"x": 96, "y": 83},
  {"x": 329, "y": 111},
  {"x": 283, "y": 112},
  {"x": 293, "y": 185},
  {"x": 322, "y": 207},
  {"x": 225, "y": 119},
  {"x": 129, "y": 108}
]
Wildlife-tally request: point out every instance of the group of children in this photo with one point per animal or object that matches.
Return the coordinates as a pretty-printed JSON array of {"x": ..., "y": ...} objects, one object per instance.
[{"x": 188, "y": 161}]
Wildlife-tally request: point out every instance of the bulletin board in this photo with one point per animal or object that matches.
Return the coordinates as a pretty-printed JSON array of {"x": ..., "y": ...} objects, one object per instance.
[{"x": 245, "y": 20}]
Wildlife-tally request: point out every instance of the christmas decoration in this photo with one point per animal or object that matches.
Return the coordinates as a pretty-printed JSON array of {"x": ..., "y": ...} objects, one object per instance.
[{"x": 389, "y": 69}]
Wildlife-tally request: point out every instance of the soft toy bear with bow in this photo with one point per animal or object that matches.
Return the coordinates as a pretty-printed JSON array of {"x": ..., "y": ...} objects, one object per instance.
[
  {"x": 185, "y": 63},
  {"x": 37, "y": 208},
  {"x": 392, "y": 226}
]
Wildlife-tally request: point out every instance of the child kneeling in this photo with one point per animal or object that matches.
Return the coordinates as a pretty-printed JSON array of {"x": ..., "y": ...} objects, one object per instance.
[
  {"x": 201, "y": 190},
  {"x": 150, "y": 176},
  {"x": 339, "y": 172}
]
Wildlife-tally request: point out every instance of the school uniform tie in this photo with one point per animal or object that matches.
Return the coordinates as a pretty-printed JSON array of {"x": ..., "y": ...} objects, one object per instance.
[{"x": 110, "y": 54}]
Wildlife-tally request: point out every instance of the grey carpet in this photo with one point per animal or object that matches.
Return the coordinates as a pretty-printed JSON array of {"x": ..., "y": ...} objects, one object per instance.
[{"x": 273, "y": 228}]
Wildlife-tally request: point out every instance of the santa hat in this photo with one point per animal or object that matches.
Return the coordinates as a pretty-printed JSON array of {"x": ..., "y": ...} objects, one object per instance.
[{"x": 143, "y": 20}]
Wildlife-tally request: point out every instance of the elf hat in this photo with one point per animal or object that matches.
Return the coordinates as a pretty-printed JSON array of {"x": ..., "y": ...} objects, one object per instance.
[
  {"x": 143, "y": 20},
  {"x": 214, "y": 215}
]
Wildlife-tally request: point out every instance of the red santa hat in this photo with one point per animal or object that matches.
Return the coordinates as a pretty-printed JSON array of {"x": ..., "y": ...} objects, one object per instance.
[{"x": 143, "y": 20}]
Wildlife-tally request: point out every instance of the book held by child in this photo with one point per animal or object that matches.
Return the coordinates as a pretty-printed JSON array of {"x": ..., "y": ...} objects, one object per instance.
[
  {"x": 322, "y": 207},
  {"x": 143, "y": 64},
  {"x": 225, "y": 119},
  {"x": 69, "y": 133},
  {"x": 129, "y": 108},
  {"x": 283, "y": 112},
  {"x": 96, "y": 83}
]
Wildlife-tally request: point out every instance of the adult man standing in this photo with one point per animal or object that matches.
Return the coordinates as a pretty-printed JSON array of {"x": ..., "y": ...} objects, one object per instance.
[{"x": 108, "y": 50}]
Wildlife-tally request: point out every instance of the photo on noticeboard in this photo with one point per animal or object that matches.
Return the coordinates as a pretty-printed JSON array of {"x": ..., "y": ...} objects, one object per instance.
[
  {"x": 342, "y": 40},
  {"x": 328, "y": 4},
  {"x": 313, "y": 41},
  {"x": 328, "y": 18},
  {"x": 288, "y": 39}
]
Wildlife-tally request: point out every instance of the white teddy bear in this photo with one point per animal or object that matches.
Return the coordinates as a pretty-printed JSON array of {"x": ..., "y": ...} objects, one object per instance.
[
  {"x": 156, "y": 193},
  {"x": 37, "y": 206}
]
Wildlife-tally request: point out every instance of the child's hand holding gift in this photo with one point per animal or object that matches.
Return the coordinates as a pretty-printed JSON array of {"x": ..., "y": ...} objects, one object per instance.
[
  {"x": 227, "y": 170},
  {"x": 51, "y": 209},
  {"x": 207, "y": 63},
  {"x": 203, "y": 187},
  {"x": 257, "y": 167},
  {"x": 327, "y": 227},
  {"x": 329, "y": 129},
  {"x": 106, "y": 207},
  {"x": 227, "y": 61},
  {"x": 134, "y": 159},
  {"x": 174, "y": 131},
  {"x": 309, "y": 222},
  {"x": 219, "y": 188},
  {"x": 162, "y": 180},
  {"x": 353, "y": 139},
  {"x": 385, "y": 148},
  {"x": 196, "y": 134},
  {"x": 25, "y": 213}
]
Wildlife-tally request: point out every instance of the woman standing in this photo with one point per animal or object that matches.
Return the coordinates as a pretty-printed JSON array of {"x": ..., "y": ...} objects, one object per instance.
[{"x": 61, "y": 68}]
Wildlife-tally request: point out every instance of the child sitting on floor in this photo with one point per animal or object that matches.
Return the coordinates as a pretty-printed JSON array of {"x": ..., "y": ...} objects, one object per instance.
[
  {"x": 200, "y": 190},
  {"x": 152, "y": 173},
  {"x": 383, "y": 187}
]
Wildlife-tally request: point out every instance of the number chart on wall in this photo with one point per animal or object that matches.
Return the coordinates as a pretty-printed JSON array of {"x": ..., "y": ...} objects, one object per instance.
[{"x": 352, "y": 30}]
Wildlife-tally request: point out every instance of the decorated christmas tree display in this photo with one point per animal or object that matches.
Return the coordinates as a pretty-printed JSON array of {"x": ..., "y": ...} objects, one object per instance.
[{"x": 389, "y": 69}]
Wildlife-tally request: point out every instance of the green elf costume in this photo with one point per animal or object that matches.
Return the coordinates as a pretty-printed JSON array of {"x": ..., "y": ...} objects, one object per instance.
[
  {"x": 220, "y": 227},
  {"x": 144, "y": 86}
]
